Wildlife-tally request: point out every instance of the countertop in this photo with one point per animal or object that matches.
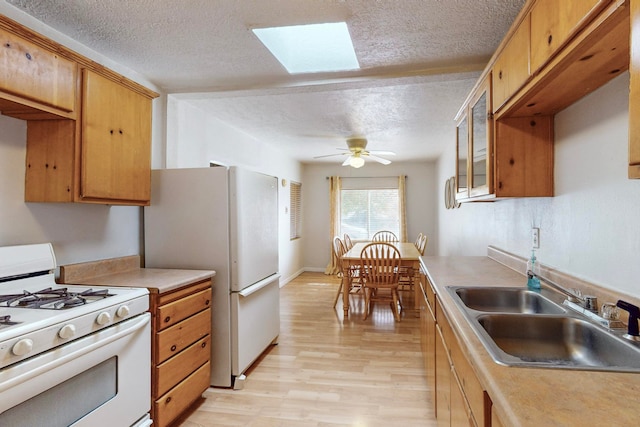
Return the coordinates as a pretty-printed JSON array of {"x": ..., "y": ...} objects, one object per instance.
[
  {"x": 125, "y": 272},
  {"x": 531, "y": 396}
]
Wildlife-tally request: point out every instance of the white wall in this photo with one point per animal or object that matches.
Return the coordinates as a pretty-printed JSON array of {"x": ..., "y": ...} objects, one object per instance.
[
  {"x": 590, "y": 229},
  {"x": 421, "y": 212},
  {"x": 194, "y": 139}
]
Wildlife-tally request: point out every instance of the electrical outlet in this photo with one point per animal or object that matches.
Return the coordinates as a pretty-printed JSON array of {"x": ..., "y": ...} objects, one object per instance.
[{"x": 535, "y": 238}]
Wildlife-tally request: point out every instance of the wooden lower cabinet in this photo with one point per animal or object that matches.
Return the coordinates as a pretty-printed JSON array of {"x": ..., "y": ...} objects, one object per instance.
[
  {"x": 181, "y": 350},
  {"x": 459, "y": 397},
  {"x": 495, "y": 420},
  {"x": 428, "y": 336}
]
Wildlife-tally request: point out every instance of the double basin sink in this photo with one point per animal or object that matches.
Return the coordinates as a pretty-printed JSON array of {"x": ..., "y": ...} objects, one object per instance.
[{"x": 519, "y": 327}]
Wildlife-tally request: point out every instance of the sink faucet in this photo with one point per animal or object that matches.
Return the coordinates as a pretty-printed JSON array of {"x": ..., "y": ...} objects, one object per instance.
[
  {"x": 557, "y": 287},
  {"x": 634, "y": 313}
]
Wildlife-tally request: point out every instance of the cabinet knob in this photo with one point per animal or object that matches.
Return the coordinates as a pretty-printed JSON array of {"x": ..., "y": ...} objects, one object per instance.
[
  {"x": 550, "y": 39},
  {"x": 167, "y": 319},
  {"x": 500, "y": 75},
  {"x": 173, "y": 347},
  {"x": 168, "y": 400},
  {"x": 28, "y": 55},
  {"x": 203, "y": 345},
  {"x": 207, "y": 302}
]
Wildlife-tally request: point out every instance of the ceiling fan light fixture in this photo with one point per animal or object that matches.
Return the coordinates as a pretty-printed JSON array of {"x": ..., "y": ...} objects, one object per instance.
[{"x": 356, "y": 162}]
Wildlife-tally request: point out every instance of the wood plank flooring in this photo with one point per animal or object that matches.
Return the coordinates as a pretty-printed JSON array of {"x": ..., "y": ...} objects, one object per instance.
[{"x": 329, "y": 372}]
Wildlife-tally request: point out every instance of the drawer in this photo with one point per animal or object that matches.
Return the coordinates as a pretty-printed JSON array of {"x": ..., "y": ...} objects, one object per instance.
[
  {"x": 177, "y": 368},
  {"x": 172, "y": 313},
  {"x": 173, "y": 340},
  {"x": 34, "y": 73},
  {"x": 171, "y": 405}
]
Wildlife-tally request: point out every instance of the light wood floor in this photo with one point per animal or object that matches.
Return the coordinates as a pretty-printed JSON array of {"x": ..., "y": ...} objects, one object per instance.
[{"x": 329, "y": 372}]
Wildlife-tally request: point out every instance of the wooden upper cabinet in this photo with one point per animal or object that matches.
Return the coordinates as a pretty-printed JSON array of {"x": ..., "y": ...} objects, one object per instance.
[
  {"x": 511, "y": 69},
  {"x": 33, "y": 73},
  {"x": 634, "y": 95},
  {"x": 554, "y": 23},
  {"x": 475, "y": 144},
  {"x": 524, "y": 157},
  {"x": 115, "y": 142}
]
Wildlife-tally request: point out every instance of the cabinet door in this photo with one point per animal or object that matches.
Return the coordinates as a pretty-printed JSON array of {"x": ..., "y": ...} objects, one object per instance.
[
  {"x": 634, "y": 95},
  {"x": 443, "y": 382},
  {"x": 115, "y": 142},
  {"x": 554, "y": 22},
  {"x": 481, "y": 140},
  {"x": 430, "y": 359},
  {"x": 511, "y": 69},
  {"x": 524, "y": 157},
  {"x": 29, "y": 71},
  {"x": 462, "y": 158}
]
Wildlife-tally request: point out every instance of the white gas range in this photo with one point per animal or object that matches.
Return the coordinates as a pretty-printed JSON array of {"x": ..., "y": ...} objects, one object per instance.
[{"x": 70, "y": 355}]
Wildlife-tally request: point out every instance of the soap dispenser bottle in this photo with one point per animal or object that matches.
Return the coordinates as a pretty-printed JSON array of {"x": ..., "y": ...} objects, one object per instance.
[{"x": 533, "y": 283}]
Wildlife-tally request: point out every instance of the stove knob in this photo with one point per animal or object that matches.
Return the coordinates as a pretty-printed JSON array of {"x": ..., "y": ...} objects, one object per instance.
[
  {"x": 123, "y": 311},
  {"x": 67, "y": 331},
  {"x": 103, "y": 318},
  {"x": 22, "y": 347}
]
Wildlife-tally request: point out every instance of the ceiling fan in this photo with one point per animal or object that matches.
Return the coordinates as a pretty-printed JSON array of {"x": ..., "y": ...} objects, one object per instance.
[{"x": 357, "y": 153}]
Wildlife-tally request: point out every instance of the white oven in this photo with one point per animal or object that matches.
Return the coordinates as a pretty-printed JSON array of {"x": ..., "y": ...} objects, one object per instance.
[{"x": 85, "y": 366}]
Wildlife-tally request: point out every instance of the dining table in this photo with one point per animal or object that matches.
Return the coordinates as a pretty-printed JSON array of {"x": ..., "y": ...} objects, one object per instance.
[{"x": 410, "y": 258}]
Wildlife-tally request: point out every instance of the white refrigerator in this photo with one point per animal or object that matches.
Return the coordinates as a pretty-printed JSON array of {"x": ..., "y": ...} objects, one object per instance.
[{"x": 222, "y": 219}]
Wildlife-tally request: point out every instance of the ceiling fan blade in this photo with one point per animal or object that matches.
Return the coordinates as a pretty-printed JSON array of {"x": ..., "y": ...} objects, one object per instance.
[
  {"x": 382, "y": 153},
  {"x": 379, "y": 159},
  {"x": 330, "y": 155},
  {"x": 346, "y": 162}
]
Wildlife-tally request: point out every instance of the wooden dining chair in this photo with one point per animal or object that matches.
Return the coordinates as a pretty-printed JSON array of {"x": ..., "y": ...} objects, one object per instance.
[
  {"x": 339, "y": 249},
  {"x": 380, "y": 262},
  {"x": 409, "y": 275},
  {"x": 422, "y": 244},
  {"x": 385, "y": 236},
  {"x": 347, "y": 242}
]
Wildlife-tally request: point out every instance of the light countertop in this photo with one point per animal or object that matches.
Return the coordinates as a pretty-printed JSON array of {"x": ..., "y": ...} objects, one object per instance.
[{"x": 125, "y": 272}]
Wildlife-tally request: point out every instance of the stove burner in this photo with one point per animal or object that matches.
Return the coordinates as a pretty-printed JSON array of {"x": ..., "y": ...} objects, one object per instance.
[{"x": 53, "y": 299}]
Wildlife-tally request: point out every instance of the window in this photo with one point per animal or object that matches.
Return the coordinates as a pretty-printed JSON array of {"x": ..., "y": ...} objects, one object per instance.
[
  {"x": 363, "y": 212},
  {"x": 295, "y": 225}
]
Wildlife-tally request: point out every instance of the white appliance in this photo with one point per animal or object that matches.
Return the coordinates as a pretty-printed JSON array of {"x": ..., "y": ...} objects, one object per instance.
[
  {"x": 70, "y": 355},
  {"x": 222, "y": 219}
]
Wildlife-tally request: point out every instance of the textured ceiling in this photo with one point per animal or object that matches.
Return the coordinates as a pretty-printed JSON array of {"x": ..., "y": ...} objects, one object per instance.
[{"x": 418, "y": 58}]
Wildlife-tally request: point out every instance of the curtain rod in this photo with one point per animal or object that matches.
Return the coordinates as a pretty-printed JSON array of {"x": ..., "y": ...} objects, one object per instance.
[{"x": 356, "y": 177}]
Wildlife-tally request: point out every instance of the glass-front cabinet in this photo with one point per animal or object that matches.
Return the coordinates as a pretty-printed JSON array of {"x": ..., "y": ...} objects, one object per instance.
[
  {"x": 474, "y": 134},
  {"x": 462, "y": 155}
]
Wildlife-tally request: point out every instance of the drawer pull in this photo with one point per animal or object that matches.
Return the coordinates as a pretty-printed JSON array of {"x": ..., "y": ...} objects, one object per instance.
[
  {"x": 28, "y": 55},
  {"x": 173, "y": 347},
  {"x": 207, "y": 302},
  {"x": 550, "y": 39},
  {"x": 167, "y": 319},
  {"x": 168, "y": 400},
  {"x": 203, "y": 345}
]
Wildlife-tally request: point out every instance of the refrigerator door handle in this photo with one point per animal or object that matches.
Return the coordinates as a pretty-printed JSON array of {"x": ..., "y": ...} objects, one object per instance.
[{"x": 258, "y": 285}]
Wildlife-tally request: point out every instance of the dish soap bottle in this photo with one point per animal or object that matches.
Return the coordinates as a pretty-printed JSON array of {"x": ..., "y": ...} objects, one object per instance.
[{"x": 533, "y": 283}]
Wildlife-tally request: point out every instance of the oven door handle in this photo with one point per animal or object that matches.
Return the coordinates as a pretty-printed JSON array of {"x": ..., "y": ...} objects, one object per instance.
[{"x": 141, "y": 323}]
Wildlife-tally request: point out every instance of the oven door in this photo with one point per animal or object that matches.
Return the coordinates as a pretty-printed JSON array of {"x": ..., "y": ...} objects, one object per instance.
[{"x": 101, "y": 380}]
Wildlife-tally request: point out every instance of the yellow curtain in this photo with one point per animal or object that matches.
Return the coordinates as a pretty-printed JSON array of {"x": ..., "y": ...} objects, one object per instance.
[
  {"x": 403, "y": 208},
  {"x": 334, "y": 221}
]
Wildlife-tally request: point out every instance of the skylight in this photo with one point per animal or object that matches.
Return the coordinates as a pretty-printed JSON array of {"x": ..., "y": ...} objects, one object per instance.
[{"x": 311, "y": 48}]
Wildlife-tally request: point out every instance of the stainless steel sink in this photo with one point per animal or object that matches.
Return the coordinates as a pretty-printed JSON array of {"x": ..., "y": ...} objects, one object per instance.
[
  {"x": 506, "y": 300},
  {"x": 519, "y": 327},
  {"x": 555, "y": 341}
]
